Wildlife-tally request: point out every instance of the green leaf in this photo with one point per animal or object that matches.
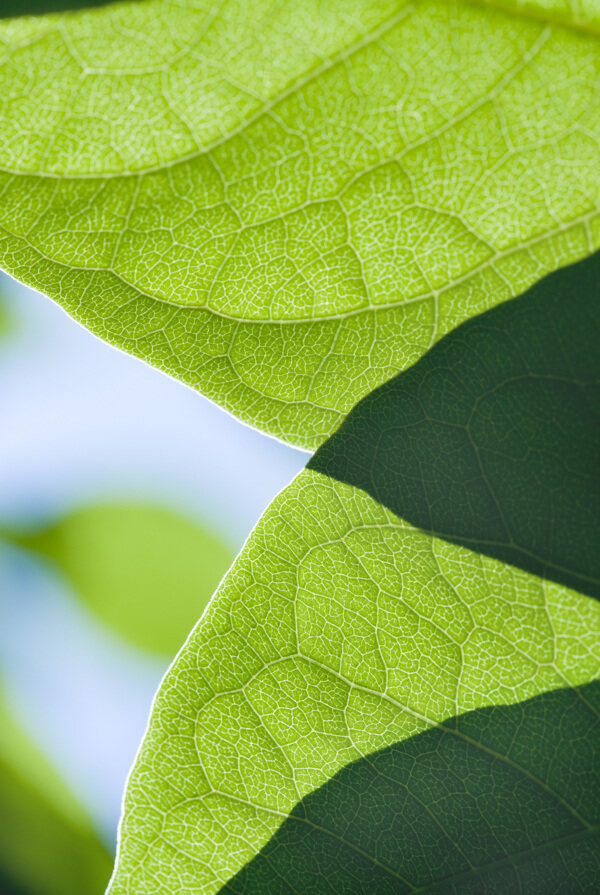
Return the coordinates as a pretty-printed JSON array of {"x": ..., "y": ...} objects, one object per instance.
[
  {"x": 492, "y": 439},
  {"x": 284, "y": 206},
  {"x": 506, "y": 809},
  {"x": 340, "y": 631},
  {"x": 47, "y": 846},
  {"x": 145, "y": 571},
  {"x": 343, "y": 630},
  {"x": 6, "y": 322}
]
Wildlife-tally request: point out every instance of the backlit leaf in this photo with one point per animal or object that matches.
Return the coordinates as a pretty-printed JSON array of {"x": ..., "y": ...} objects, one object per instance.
[
  {"x": 340, "y": 631},
  {"x": 284, "y": 205},
  {"x": 349, "y": 655},
  {"x": 506, "y": 796},
  {"x": 492, "y": 439}
]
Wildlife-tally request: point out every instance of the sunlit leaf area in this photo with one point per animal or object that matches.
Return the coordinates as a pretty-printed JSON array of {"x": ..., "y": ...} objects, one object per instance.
[{"x": 300, "y": 447}]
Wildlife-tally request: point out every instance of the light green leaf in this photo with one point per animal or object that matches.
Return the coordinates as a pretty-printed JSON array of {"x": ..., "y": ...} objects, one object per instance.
[
  {"x": 340, "y": 630},
  {"x": 145, "y": 571},
  {"x": 47, "y": 846},
  {"x": 285, "y": 205}
]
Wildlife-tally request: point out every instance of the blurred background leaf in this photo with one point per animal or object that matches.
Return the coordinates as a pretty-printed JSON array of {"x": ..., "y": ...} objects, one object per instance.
[
  {"x": 47, "y": 843},
  {"x": 147, "y": 572},
  {"x": 6, "y": 320}
]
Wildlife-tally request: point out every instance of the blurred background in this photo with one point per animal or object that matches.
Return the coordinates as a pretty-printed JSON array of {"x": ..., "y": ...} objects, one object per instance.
[{"x": 124, "y": 497}]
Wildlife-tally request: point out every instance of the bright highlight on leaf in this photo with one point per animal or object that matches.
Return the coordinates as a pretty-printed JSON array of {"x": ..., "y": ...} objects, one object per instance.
[
  {"x": 284, "y": 206},
  {"x": 343, "y": 637},
  {"x": 146, "y": 572}
]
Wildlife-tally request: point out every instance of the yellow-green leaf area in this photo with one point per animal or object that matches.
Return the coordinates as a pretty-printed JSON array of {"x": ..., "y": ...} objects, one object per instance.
[
  {"x": 145, "y": 571},
  {"x": 284, "y": 207},
  {"x": 340, "y": 630}
]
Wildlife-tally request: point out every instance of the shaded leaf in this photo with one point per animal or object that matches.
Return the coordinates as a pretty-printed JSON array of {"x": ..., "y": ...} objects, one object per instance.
[
  {"x": 503, "y": 799},
  {"x": 492, "y": 439},
  {"x": 11, "y": 8},
  {"x": 145, "y": 571},
  {"x": 284, "y": 206},
  {"x": 339, "y": 631}
]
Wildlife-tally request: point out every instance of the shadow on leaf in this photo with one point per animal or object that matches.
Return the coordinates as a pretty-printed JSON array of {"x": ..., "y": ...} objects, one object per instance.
[
  {"x": 492, "y": 439},
  {"x": 502, "y": 799},
  {"x": 13, "y": 8}
]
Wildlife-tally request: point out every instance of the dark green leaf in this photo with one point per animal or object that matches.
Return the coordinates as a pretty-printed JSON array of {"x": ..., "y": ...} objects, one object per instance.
[
  {"x": 12, "y": 8},
  {"x": 492, "y": 440},
  {"x": 500, "y": 800}
]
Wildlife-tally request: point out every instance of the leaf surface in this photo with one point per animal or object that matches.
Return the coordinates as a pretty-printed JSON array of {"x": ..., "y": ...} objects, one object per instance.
[
  {"x": 343, "y": 636},
  {"x": 145, "y": 571},
  {"x": 504, "y": 807},
  {"x": 341, "y": 630},
  {"x": 284, "y": 207},
  {"x": 492, "y": 439}
]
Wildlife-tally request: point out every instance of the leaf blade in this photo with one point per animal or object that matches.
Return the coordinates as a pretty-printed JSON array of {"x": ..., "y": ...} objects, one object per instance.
[
  {"x": 263, "y": 720},
  {"x": 490, "y": 440},
  {"x": 304, "y": 256},
  {"x": 476, "y": 786},
  {"x": 342, "y": 629}
]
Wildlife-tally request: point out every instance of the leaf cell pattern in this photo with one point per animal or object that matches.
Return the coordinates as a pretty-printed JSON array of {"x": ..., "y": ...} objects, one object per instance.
[
  {"x": 284, "y": 208},
  {"x": 339, "y": 631},
  {"x": 499, "y": 800}
]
